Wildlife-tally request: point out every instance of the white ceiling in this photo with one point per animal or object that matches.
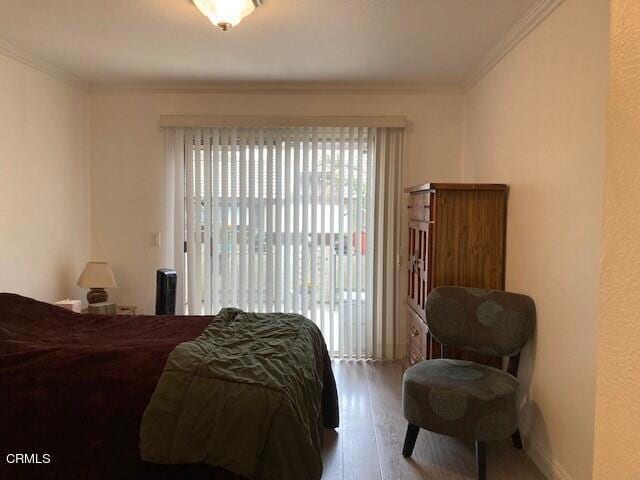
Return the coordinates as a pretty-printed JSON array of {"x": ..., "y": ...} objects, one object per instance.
[{"x": 435, "y": 42}]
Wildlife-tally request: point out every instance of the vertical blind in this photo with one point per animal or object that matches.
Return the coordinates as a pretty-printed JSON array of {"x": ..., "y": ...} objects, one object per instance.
[{"x": 286, "y": 219}]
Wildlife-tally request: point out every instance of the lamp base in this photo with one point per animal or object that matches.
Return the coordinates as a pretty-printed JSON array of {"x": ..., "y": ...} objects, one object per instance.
[{"x": 97, "y": 295}]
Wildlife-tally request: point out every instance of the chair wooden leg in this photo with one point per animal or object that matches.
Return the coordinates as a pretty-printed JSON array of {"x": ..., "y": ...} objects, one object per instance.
[
  {"x": 517, "y": 441},
  {"x": 410, "y": 440},
  {"x": 481, "y": 460}
]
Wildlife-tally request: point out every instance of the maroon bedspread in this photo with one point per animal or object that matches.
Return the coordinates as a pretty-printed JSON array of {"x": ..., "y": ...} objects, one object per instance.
[{"x": 75, "y": 386}]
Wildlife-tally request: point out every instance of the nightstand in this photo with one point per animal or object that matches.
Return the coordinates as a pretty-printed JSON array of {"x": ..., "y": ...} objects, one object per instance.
[
  {"x": 126, "y": 309},
  {"x": 121, "y": 310}
]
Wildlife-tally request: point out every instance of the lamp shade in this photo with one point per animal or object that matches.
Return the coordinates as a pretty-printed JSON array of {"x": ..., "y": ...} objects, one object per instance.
[
  {"x": 97, "y": 275},
  {"x": 226, "y": 13}
]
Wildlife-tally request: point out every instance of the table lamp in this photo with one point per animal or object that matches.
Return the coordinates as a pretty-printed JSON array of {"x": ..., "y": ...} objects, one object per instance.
[{"x": 97, "y": 276}]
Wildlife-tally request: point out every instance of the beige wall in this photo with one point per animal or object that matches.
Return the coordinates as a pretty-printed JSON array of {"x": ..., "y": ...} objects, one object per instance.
[
  {"x": 536, "y": 122},
  {"x": 617, "y": 432},
  {"x": 44, "y": 199},
  {"x": 127, "y": 161}
]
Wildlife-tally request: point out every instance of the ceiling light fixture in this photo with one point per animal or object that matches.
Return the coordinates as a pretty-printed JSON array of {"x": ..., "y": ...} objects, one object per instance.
[{"x": 226, "y": 13}]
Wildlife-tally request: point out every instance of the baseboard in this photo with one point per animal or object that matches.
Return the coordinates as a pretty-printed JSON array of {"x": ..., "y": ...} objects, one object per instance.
[{"x": 548, "y": 465}]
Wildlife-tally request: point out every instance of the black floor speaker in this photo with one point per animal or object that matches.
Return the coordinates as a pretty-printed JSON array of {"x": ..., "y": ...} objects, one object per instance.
[{"x": 166, "y": 282}]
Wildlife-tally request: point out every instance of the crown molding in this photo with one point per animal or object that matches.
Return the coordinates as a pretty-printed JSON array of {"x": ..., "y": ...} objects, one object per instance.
[
  {"x": 541, "y": 10},
  {"x": 319, "y": 88},
  {"x": 9, "y": 50}
]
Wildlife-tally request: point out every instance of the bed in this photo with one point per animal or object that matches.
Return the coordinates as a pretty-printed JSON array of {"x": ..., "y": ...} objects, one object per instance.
[{"x": 76, "y": 387}]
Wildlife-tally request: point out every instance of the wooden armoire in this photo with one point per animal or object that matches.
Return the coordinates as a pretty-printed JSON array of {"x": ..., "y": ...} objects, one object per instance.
[{"x": 456, "y": 237}]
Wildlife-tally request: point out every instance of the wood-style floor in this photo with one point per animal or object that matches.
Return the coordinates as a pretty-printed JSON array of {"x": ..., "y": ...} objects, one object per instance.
[{"x": 368, "y": 444}]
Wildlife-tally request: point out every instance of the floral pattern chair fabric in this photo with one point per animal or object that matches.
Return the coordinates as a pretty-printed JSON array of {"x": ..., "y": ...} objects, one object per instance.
[{"x": 465, "y": 399}]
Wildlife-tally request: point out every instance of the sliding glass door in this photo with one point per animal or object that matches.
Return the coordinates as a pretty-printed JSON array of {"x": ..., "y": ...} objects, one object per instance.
[{"x": 281, "y": 219}]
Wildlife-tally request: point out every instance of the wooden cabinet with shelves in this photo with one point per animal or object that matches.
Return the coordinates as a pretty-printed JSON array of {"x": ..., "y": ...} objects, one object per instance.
[{"x": 456, "y": 237}]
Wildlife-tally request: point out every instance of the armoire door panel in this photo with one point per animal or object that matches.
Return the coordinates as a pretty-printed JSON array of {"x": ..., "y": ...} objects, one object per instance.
[
  {"x": 470, "y": 241},
  {"x": 413, "y": 285}
]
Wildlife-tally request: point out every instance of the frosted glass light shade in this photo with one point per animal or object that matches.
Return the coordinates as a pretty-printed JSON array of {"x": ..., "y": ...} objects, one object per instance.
[
  {"x": 225, "y": 13},
  {"x": 97, "y": 275}
]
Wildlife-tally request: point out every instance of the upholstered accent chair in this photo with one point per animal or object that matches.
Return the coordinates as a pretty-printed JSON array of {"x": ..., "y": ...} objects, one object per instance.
[{"x": 465, "y": 399}]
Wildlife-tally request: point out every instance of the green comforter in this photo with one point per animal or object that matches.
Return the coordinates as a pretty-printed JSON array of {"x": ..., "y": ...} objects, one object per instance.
[{"x": 250, "y": 394}]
